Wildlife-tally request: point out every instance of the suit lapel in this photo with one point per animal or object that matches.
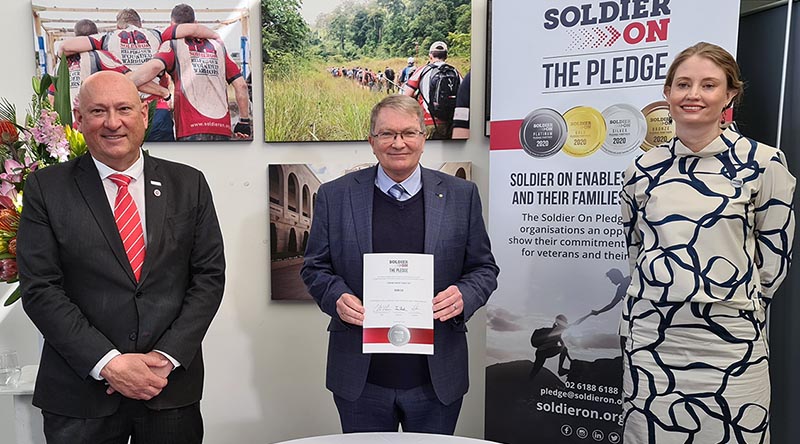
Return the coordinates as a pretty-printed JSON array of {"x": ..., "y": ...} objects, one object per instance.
[
  {"x": 155, "y": 211},
  {"x": 435, "y": 198},
  {"x": 361, "y": 194},
  {"x": 91, "y": 187}
]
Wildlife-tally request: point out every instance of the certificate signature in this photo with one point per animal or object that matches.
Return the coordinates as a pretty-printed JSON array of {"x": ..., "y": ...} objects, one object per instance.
[{"x": 397, "y": 309}]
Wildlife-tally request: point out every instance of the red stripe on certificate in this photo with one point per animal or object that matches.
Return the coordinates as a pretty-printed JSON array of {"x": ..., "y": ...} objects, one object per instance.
[
  {"x": 381, "y": 336},
  {"x": 504, "y": 135}
]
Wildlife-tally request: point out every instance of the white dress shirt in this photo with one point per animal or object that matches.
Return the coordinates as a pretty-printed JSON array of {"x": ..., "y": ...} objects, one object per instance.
[{"x": 136, "y": 190}]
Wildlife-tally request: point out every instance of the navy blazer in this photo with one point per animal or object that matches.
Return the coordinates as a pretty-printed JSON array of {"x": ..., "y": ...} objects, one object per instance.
[
  {"x": 79, "y": 290},
  {"x": 455, "y": 234}
]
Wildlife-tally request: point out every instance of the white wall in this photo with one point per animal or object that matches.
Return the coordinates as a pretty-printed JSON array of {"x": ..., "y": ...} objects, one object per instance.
[{"x": 265, "y": 361}]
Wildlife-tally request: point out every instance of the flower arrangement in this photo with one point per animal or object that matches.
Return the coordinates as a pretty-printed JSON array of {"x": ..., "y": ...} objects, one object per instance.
[{"x": 44, "y": 138}]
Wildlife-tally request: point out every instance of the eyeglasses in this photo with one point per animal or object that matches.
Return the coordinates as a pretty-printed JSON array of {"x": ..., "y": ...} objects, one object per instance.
[{"x": 389, "y": 136}]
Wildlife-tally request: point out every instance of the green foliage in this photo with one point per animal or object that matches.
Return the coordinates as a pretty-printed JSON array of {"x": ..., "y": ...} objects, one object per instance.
[
  {"x": 460, "y": 45},
  {"x": 151, "y": 112},
  {"x": 339, "y": 30},
  {"x": 391, "y": 28},
  {"x": 13, "y": 297},
  {"x": 432, "y": 22},
  {"x": 283, "y": 29},
  {"x": 463, "y": 20},
  {"x": 62, "y": 104}
]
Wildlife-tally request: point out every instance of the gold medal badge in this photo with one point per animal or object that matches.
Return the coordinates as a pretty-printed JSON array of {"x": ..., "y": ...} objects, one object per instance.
[{"x": 586, "y": 131}]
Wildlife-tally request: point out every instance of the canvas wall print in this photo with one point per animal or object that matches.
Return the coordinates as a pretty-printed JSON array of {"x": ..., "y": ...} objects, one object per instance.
[
  {"x": 292, "y": 192},
  {"x": 191, "y": 61},
  {"x": 327, "y": 62}
]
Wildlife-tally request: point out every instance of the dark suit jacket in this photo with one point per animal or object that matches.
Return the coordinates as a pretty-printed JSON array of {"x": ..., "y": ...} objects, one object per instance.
[
  {"x": 454, "y": 233},
  {"x": 79, "y": 290}
]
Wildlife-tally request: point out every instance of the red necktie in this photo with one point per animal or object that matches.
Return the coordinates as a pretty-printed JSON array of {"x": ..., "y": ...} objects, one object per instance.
[{"x": 129, "y": 224}]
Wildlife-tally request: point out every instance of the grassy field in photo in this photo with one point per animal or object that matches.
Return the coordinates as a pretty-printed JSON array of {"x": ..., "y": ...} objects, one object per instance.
[{"x": 309, "y": 104}]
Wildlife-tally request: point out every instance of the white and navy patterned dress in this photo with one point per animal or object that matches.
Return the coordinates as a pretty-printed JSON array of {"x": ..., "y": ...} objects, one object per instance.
[{"x": 710, "y": 237}]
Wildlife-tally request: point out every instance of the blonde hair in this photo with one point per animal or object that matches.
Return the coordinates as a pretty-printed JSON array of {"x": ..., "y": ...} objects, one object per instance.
[{"x": 720, "y": 57}]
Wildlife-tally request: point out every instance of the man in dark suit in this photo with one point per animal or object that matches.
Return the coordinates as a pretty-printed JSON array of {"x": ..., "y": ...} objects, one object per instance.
[
  {"x": 398, "y": 207},
  {"x": 123, "y": 315}
]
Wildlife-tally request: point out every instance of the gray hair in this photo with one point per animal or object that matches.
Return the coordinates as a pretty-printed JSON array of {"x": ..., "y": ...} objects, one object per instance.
[{"x": 398, "y": 102}]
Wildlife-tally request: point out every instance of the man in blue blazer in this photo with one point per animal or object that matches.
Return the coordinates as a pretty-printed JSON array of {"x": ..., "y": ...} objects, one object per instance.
[
  {"x": 122, "y": 337},
  {"x": 398, "y": 207}
]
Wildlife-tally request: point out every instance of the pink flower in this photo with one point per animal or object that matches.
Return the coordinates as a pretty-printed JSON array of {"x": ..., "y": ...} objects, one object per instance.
[
  {"x": 7, "y": 189},
  {"x": 8, "y": 269},
  {"x": 13, "y": 175},
  {"x": 13, "y": 171},
  {"x": 49, "y": 132}
]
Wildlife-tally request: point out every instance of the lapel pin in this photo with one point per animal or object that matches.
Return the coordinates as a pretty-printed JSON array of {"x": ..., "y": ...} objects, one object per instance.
[
  {"x": 157, "y": 192},
  {"x": 155, "y": 182}
]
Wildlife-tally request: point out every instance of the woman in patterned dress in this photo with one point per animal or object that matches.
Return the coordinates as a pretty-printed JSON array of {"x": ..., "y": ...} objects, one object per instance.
[{"x": 709, "y": 224}]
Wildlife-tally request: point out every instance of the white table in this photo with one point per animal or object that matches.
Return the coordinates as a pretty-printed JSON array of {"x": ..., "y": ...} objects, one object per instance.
[
  {"x": 386, "y": 438},
  {"x": 27, "y": 418}
]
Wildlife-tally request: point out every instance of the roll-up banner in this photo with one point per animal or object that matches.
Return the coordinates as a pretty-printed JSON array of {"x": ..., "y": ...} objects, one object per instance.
[{"x": 576, "y": 96}]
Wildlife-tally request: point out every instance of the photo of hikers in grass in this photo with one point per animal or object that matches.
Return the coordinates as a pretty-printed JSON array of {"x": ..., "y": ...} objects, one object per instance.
[{"x": 328, "y": 62}]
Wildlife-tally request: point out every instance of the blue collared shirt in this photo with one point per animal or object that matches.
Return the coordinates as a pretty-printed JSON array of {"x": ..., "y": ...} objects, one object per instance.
[{"x": 412, "y": 184}]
